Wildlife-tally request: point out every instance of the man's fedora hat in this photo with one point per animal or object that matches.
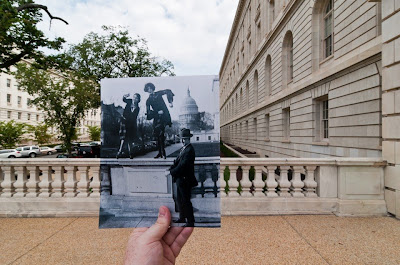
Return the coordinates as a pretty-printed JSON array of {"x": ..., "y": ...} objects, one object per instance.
[
  {"x": 149, "y": 86},
  {"x": 185, "y": 133}
]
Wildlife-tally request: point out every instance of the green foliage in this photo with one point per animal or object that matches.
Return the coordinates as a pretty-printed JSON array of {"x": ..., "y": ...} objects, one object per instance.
[
  {"x": 11, "y": 133},
  {"x": 64, "y": 99},
  {"x": 94, "y": 133},
  {"x": 226, "y": 152},
  {"x": 41, "y": 134},
  {"x": 114, "y": 54},
  {"x": 19, "y": 36}
]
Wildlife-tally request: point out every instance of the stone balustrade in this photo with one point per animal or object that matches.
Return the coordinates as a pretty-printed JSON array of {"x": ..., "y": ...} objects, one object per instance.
[{"x": 71, "y": 187}]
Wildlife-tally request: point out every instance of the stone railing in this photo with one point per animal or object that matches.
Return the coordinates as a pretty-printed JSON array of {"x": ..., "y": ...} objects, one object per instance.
[
  {"x": 344, "y": 186},
  {"x": 71, "y": 187}
]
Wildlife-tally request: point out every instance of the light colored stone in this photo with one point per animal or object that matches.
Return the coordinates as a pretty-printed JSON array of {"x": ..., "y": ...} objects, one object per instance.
[
  {"x": 388, "y": 53},
  {"x": 327, "y": 179},
  {"x": 388, "y": 151},
  {"x": 388, "y": 30},
  {"x": 388, "y": 103},
  {"x": 392, "y": 177},
  {"x": 390, "y": 78},
  {"x": 390, "y": 198},
  {"x": 388, "y": 7},
  {"x": 397, "y": 152},
  {"x": 397, "y": 100},
  {"x": 391, "y": 127}
]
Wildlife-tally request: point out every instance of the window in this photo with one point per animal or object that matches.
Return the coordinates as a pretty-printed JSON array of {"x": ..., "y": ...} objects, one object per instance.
[
  {"x": 19, "y": 115},
  {"x": 29, "y": 102},
  {"x": 321, "y": 119},
  {"x": 26, "y": 148},
  {"x": 271, "y": 13},
  {"x": 247, "y": 130},
  {"x": 287, "y": 59},
  {"x": 268, "y": 76},
  {"x": 197, "y": 138},
  {"x": 19, "y": 101},
  {"x": 255, "y": 84},
  {"x": 267, "y": 126},
  {"x": 247, "y": 94},
  {"x": 209, "y": 138},
  {"x": 37, "y": 117},
  {"x": 9, "y": 98},
  {"x": 286, "y": 124},
  {"x": 8, "y": 83},
  {"x": 328, "y": 29},
  {"x": 8, "y": 114},
  {"x": 255, "y": 128},
  {"x": 29, "y": 116}
]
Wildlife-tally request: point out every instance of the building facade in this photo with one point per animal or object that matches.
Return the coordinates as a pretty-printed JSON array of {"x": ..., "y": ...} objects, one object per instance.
[
  {"x": 315, "y": 78},
  {"x": 15, "y": 105},
  {"x": 303, "y": 79}
]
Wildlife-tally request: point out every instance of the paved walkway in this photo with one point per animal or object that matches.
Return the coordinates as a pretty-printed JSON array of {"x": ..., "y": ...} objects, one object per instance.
[{"x": 301, "y": 239}]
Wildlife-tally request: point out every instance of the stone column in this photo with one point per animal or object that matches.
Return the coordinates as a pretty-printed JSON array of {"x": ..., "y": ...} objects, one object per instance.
[
  {"x": 83, "y": 183},
  {"x": 8, "y": 183},
  {"x": 95, "y": 184},
  {"x": 246, "y": 183},
  {"x": 233, "y": 183},
  {"x": 70, "y": 184},
  {"x": 45, "y": 183},
  {"x": 58, "y": 183},
  {"x": 105, "y": 180},
  {"x": 283, "y": 181},
  {"x": 222, "y": 181},
  {"x": 271, "y": 182},
  {"x": 20, "y": 184},
  {"x": 391, "y": 102},
  {"x": 258, "y": 182},
  {"x": 33, "y": 182},
  {"x": 297, "y": 184},
  {"x": 309, "y": 183}
]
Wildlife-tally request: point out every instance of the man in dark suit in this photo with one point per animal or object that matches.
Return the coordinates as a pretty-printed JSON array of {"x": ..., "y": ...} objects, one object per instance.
[
  {"x": 182, "y": 172},
  {"x": 157, "y": 111}
]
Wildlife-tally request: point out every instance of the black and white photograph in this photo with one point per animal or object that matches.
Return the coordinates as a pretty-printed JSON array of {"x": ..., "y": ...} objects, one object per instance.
[{"x": 160, "y": 145}]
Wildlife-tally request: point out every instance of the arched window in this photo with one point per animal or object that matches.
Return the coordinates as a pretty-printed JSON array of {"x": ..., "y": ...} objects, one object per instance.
[
  {"x": 322, "y": 32},
  {"x": 287, "y": 59},
  {"x": 237, "y": 104},
  {"x": 247, "y": 94},
  {"x": 241, "y": 100},
  {"x": 268, "y": 76},
  {"x": 255, "y": 89}
]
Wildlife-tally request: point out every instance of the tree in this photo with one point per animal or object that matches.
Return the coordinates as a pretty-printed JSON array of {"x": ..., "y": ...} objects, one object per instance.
[
  {"x": 41, "y": 134},
  {"x": 19, "y": 36},
  {"x": 114, "y": 54},
  {"x": 94, "y": 133},
  {"x": 11, "y": 133},
  {"x": 63, "y": 98}
]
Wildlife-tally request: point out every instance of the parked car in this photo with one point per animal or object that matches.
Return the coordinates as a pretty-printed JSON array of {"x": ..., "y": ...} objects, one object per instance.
[
  {"x": 89, "y": 150},
  {"x": 45, "y": 150},
  {"x": 10, "y": 153},
  {"x": 73, "y": 155},
  {"x": 29, "y": 151}
]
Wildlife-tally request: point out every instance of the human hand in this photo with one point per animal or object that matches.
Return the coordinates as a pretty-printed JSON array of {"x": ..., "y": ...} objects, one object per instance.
[
  {"x": 160, "y": 112},
  {"x": 159, "y": 244},
  {"x": 126, "y": 95}
]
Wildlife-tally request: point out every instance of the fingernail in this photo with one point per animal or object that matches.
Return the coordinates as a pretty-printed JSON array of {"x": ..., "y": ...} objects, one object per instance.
[{"x": 161, "y": 211}]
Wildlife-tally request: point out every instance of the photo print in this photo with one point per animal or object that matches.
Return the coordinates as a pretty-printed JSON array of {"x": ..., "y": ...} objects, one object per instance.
[{"x": 160, "y": 143}]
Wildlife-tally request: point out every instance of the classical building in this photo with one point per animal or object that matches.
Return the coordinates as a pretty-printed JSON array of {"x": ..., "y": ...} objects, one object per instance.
[
  {"x": 315, "y": 78},
  {"x": 15, "y": 105}
]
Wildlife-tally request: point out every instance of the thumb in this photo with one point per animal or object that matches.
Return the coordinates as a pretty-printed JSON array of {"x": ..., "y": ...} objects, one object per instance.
[{"x": 158, "y": 230}]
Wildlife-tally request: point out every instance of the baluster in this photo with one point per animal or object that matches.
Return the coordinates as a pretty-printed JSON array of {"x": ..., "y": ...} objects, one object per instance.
[
  {"x": 232, "y": 182},
  {"x": 271, "y": 182},
  {"x": 310, "y": 183},
  {"x": 222, "y": 180},
  {"x": 215, "y": 179},
  {"x": 258, "y": 182},
  {"x": 246, "y": 183},
  {"x": 1, "y": 180},
  {"x": 95, "y": 184},
  {"x": 208, "y": 183},
  {"x": 105, "y": 181},
  {"x": 33, "y": 183},
  {"x": 20, "y": 184},
  {"x": 283, "y": 181},
  {"x": 297, "y": 184},
  {"x": 83, "y": 183},
  {"x": 58, "y": 183},
  {"x": 70, "y": 183},
  {"x": 8, "y": 183},
  {"x": 45, "y": 183}
]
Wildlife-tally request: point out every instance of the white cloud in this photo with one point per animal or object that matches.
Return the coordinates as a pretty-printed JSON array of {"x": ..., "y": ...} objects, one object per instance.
[{"x": 190, "y": 33}]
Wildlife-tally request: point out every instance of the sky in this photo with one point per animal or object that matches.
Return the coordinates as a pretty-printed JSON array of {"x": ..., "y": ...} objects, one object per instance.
[{"x": 192, "y": 34}]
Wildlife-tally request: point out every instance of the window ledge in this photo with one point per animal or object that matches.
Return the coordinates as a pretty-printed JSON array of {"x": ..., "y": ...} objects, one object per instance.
[
  {"x": 286, "y": 141},
  {"x": 320, "y": 143},
  {"x": 326, "y": 59}
]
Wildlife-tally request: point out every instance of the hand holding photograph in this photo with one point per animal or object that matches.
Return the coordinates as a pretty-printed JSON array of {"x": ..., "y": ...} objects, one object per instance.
[{"x": 160, "y": 146}]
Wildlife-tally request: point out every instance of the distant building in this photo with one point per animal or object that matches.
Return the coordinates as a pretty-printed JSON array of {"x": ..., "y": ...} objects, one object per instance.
[
  {"x": 15, "y": 105},
  {"x": 191, "y": 118}
]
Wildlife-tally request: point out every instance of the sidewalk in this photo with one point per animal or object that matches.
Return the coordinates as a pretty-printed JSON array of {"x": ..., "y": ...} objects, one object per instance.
[{"x": 301, "y": 239}]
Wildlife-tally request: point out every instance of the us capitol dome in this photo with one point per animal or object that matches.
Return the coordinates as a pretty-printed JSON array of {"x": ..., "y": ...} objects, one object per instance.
[{"x": 189, "y": 116}]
